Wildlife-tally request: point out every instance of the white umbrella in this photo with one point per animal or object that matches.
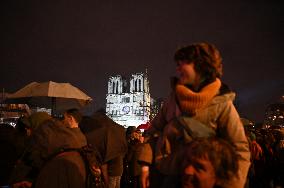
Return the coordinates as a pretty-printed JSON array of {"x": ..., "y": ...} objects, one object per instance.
[{"x": 57, "y": 96}]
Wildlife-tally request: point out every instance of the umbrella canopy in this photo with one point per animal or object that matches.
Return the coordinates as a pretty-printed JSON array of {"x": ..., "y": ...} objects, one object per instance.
[{"x": 57, "y": 96}]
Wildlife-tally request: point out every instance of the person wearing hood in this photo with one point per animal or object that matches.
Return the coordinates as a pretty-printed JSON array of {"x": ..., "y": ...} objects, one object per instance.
[
  {"x": 198, "y": 93},
  {"x": 52, "y": 158}
]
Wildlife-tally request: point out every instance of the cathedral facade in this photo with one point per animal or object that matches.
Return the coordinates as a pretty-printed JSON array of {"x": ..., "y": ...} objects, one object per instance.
[{"x": 128, "y": 102}]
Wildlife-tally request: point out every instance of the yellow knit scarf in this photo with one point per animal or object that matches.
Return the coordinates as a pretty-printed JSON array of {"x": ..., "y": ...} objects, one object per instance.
[{"x": 190, "y": 101}]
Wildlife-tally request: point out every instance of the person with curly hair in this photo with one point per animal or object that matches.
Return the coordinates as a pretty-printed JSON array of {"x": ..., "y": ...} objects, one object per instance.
[{"x": 208, "y": 163}]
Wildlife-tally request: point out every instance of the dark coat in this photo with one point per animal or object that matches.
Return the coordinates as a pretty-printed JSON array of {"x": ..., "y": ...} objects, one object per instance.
[
  {"x": 8, "y": 155},
  {"x": 105, "y": 135},
  {"x": 64, "y": 170},
  {"x": 134, "y": 151}
]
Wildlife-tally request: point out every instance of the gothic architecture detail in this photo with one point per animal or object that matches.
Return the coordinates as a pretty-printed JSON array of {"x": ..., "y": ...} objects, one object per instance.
[{"x": 129, "y": 105}]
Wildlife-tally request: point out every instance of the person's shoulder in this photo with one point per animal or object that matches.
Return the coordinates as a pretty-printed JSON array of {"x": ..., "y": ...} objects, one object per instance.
[
  {"x": 225, "y": 95},
  {"x": 225, "y": 98},
  {"x": 45, "y": 125}
]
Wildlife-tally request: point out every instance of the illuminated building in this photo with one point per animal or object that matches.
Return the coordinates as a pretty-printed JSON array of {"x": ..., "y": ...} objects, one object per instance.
[{"x": 128, "y": 103}]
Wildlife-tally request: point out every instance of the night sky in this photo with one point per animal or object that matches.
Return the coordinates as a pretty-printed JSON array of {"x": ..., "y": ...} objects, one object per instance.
[{"x": 85, "y": 42}]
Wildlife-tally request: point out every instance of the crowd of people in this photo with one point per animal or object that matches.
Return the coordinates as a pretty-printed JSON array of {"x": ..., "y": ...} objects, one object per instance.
[
  {"x": 197, "y": 140},
  {"x": 267, "y": 157}
]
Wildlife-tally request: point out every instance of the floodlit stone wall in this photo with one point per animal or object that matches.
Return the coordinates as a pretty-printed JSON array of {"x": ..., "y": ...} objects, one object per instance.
[{"x": 128, "y": 106}]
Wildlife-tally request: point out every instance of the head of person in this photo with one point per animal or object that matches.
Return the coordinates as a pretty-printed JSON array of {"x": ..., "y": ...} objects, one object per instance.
[
  {"x": 133, "y": 134},
  {"x": 208, "y": 163},
  {"x": 72, "y": 118},
  {"x": 198, "y": 64},
  {"x": 32, "y": 122}
]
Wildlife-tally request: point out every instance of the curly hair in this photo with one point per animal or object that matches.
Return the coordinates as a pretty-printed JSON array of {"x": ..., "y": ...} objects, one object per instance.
[
  {"x": 220, "y": 153},
  {"x": 206, "y": 58}
]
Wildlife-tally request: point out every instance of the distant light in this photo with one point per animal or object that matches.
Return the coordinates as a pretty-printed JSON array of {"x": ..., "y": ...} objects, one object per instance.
[{"x": 12, "y": 124}]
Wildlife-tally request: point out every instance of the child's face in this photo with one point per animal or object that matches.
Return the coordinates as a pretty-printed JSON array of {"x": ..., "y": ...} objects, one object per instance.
[{"x": 187, "y": 74}]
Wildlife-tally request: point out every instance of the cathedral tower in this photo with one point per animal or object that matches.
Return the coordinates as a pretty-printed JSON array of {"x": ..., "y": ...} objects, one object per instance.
[{"x": 129, "y": 106}]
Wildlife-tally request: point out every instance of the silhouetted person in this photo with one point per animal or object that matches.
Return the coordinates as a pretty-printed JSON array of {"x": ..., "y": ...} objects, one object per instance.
[{"x": 52, "y": 158}]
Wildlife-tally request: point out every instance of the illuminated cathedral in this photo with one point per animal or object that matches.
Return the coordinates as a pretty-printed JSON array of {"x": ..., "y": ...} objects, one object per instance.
[{"x": 128, "y": 103}]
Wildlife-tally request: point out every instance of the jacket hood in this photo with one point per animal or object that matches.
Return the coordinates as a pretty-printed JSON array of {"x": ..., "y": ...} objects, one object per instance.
[{"x": 223, "y": 98}]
